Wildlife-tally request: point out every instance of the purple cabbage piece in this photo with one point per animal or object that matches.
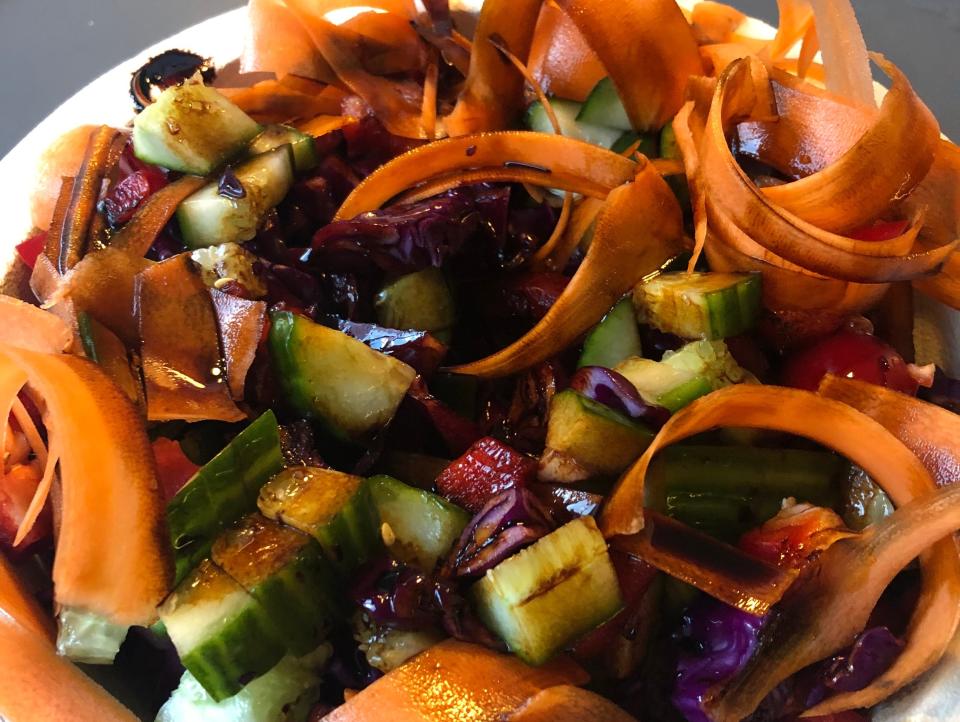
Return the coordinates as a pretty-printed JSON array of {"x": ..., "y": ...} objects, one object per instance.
[
  {"x": 510, "y": 521},
  {"x": 875, "y": 650},
  {"x": 420, "y": 411},
  {"x": 715, "y": 642},
  {"x": 403, "y": 238},
  {"x": 611, "y": 389},
  {"x": 656, "y": 343},
  {"x": 418, "y": 349},
  {"x": 396, "y": 595}
]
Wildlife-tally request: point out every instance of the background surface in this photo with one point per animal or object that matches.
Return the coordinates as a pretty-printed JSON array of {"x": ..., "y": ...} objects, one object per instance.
[{"x": 51, "y": 48}]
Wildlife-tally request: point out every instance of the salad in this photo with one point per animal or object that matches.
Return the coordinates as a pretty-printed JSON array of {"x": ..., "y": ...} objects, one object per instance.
[{"x": 550, "y": 362}]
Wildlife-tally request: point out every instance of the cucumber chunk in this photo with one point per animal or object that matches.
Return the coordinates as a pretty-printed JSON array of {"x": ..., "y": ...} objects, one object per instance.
[
  {"x": 424, "y": 526},
  {"x": 222, "y": 491},
  {"x": 545, "y": 597},
  {"x": 286, "y": 573},
  {"x": 192, "y": 129},
  {"x": 284, "y": 694},
  {"x": 586, "y": 439},
  {"x": 649, "y": 144},
  {"x": 420, "y": 301},
  {"x": 326, "y": 375},
  {"x": 222, "y": 634},
  {"x": 386, "y": 648},
  {"x": 334, "y": 508},
  {"x": 614, "y": 339},
  {"x": 603, "y": 107},
  {"x": 304, "y": 148},
  {"x": 208, "y": 218},
  {"x": 567, "y": 112},
  {"x": 699, "y": 305},
  {"x": 727, "y": 490},
  {"x": 684, "y": 375},
  {"x": 89, "y": 638}
]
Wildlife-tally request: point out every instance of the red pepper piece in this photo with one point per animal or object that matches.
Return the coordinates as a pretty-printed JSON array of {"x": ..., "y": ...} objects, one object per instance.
[{"x": 487, "y": 468}]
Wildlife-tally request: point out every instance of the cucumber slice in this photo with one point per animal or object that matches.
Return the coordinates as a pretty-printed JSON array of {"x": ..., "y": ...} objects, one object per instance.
[
  {"x": 326, "y": 375},
  {"x": 649, "y": 143},
  {"x": 222, "y": 491},
  {"x": 603, "y": 107},
  {"x": 208, "y": 218},
  {"x": 726, "y": 491},
  {"x": 424, "y": 526},
  {"x": 386, "y": 648},
  {"x": 662, "y": 384},
  {"x": 668, "y": 143},
  {"x": 545, "y": 597},
  {"x": 420, "y": 301},
  {"x": 334, "y": 508},
  {"x": 614, "y": 339},
  {"x": 192, "y": 129},
  {"x": 304, "y": 148},
  {"x": 286, "y": 573},
  {"x": 567, "y": 112},
  {"x": 284, "y": 694},
  {"x": 223, "y": 636},
  {"x": 586, "y": 439},
  {"x": 87, "y": 637},
  {"x": 699, "y": 305}
]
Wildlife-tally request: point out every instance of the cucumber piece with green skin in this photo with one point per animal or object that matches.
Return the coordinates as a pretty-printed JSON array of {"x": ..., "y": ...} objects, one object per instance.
[
  {"x": 334, "y": 508},
  {"x": 649, "y": 143},
  {"x": 285, "y": 571},
  {"x": 286, "y": 693},
  {"x": 328, "y": 376},
  {"x": 699, "y": 305},
  {"x": 222, "y": 491},
  {"x": 191, "y": 128},
  {"x": 546, "y": 596},
  {"x": 684, "y": 375},
  {"x": 586, "y": 439},
  {"x": 423, "y": 526},
  {"x": 303, "y": 146},
  {"x": 567, "y": 112},
  {"x": 222, "y": 634},
  {"x": 614, "y": 339},
  {"x": 420, "y": 301},
  {"x": 662, "y": 384},
  {"x": 603, "y": 107},
  {"x": 208, "y": 218},
  {"x": 669, "y": 148}
]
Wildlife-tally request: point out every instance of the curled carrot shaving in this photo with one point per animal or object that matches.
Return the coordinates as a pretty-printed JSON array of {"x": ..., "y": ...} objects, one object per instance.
[
  {"x": 428, "y": 113},
  {"x": 638, "y": 230},
  {"x": 560, "y": 58},
  {"x": 547, "y": 255}
]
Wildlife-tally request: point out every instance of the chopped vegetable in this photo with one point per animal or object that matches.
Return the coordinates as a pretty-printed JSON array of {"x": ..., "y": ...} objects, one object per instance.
[
  {"x": 565, "y": 575},
  {"x": 614, "y": 339},
  {"x": 487, "y": 468}
]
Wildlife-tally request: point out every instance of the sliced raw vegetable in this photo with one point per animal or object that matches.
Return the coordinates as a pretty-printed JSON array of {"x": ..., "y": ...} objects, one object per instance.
[
  {"x": 103, "y": 347},
  {"x": 222, "y": 491},
  {"x": 423, "y": 526},
  {"x": 304, "y": 148},
  {"x": 488, "y": 467},
  {"x": 664, "y": 384},
  {"x": 566, "y": 575},
  {"x": 699, "y": 305},
  {"x": 386, "y": 648},
  {"x": 420, "y": 301},
  {"x": 586, "y": 439},
  {"x": 110, "y": 558},
  {"x": 350, "y": 388},
  {"x": 241, "y": 324},
  {"x": 88, "y": 638},
  {"x": 334, "y": 508},
  {"x": 614, "y": 339},
  {"x": 183, "y": 372},
  {"x": 568, "y": 115},
  {"x": 668, "y": 143},
  {"x": 603, "y": 107},
  {"x": 191, "y": 128},
  {"x": 485, "y": 684},
  {"x": 284, "y": 694},
  {"x": 224, "y": 637},
  {"x": 285, "y": 571},
  {"x": 727, "y": 490},
  {"x": 216, "y": 214}
]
